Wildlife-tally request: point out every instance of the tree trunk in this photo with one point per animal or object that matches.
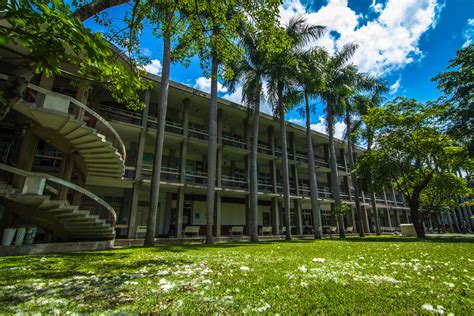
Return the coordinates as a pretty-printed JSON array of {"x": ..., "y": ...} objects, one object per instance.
[
  {"x": 89, "y": 10},
  {"x": 375, "y": 211},
  {"x": 336, "y": 192},
  {"x": 211, "y": 152},
  {"x": 360, "y": 227},
  {"x": 313, "y": 183},
  {"x": 254, "y": 172},
  {"x": 416, "y": 216},
  {"x": 160, "y": 137},
  {"x": 284, "y": 163}
]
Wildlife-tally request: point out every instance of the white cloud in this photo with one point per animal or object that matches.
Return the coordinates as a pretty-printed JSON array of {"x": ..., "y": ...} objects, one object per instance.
[
  {"x": 235, "y": 96},
  {"x": 154, "y": 67},
  {"x": 339, "y": 127},
  {"x": 386, "y": 43},
  {"x": 204, "y": 84},
  {"x": 468, "y": 33},
  {"x": 394, "y": 87},
  {"x": 298, "y": 121},
  {"x": 147, "y": 52}
]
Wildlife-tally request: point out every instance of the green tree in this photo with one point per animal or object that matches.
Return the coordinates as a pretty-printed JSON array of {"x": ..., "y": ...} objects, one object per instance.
[
  {"x": 52, "y": 35},
  {"x": 352, "y": 105},
  {"x": 215, "y": 26},
  {"x": 339, "y": 77},
  {"x": 311, "y": 79},
  {"x": 362, "y": 103},
  {"x": 281, "y": 85},
  {"x": 458, "y": 88},
  {"x": 411, "y": 151},
  {"x": 169, "y": 21}
]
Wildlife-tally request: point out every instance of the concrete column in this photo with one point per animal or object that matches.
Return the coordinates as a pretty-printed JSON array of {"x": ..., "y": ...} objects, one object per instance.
[
  {"x": 67, "y": 166},
  {"x": 452, "y": 215},
  {"x": 138, "y": 169},
  {"x": 397, "y": 217},
  {"x": 407, "y": 216},
  {"x": 275, "y": 216},
  {"x": 26, "y": 156},
  {"x": 353, "y": 224},
  {"x": 179, "y": 213},
  {"x": 46, "y": 83},
  {"x": 218, "y": 212},
  {"x": 292, "y": 144},
  {"x": 449, "y": 220},
  {"x": 388, "y": 216},
  {"x": 343, "y": 159},
  {"x": 299, "y": 219}
]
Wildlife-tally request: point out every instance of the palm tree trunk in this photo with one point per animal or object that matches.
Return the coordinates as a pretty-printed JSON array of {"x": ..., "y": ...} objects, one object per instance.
[
  {"x": 360, "y": 228},
  {"x": 211, "y": 152},
  {"x": 254, "y": 172},
  {"x": 284, "y": 163},
  {"x": 160, "y": 137},
  {"x": 375, "y": 211},
  {"x": 336, "y": 191},
  {"x": 313, "y": 183}
]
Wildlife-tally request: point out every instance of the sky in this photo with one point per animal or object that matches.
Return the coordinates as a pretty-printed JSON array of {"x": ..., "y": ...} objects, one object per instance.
[{"x": 405, "y": 42}]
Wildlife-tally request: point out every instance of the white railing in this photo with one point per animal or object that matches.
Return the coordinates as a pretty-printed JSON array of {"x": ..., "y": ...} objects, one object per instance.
[
  {"x": 81, "y": 112},
  {"x": 106, "y": 212}
]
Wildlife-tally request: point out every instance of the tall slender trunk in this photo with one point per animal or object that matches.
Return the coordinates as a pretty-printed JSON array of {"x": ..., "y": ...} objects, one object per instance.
[
  {"x": 336, "y": 191},
  {"x": 284, "y": 163},
  {"x": 360, "y": 227},
  {"x": 160, "y": 137},
  {"x": 211, "y": 152},
  {"x": 373, "y": 201},
  {"x": 313, "y": 183},
  {"x": 254, "y": 171}
]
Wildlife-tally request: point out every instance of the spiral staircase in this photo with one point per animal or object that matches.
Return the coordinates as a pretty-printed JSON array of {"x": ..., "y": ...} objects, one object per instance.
[{"x": 38, "y": 198}]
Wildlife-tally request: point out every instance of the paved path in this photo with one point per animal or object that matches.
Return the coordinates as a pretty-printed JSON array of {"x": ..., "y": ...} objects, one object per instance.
[{"x": 451, "y": 235}]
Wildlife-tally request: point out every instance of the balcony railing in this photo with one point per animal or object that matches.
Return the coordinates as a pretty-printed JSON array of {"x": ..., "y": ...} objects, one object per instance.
[
  {"x": 121, "y": 115},
  {"x": 196, "y": 177},
  {"x": 264, "y": 149},
  {"x": 233, "y": 141},
  {"x": 167, "y": 173},
  {"x": 198, "y": 133},
  {"x": 321, "y": 162},
  {"x": 43, "y": 184},
  {"x": 233, "y": 182},
  {"x": 265, "y": 186}
]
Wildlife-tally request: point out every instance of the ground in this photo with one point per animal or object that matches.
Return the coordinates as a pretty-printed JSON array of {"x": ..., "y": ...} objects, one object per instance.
[{"x": 374, "y": 275}]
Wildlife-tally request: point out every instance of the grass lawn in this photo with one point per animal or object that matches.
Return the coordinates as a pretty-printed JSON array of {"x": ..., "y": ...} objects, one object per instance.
[{"x": 332, "y": 276}]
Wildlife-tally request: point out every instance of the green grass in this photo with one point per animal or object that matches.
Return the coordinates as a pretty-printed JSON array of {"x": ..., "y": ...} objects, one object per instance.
[{"x": 372, "y": 276}]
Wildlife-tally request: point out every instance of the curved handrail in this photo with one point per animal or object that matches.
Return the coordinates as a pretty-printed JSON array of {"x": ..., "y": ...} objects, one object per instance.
[
  {"x": 62, "y": 182},
  {"x": 89, "y": 111}
]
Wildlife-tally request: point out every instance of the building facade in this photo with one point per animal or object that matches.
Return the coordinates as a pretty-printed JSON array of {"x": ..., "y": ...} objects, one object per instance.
[{"x": 78, "y": 165}]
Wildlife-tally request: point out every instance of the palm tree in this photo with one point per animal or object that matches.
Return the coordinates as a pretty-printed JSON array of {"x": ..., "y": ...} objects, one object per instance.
[
  {"x": 360, "y": 82},
  {"x": 281, "y": 82},
  {"x": 362, "y": 104},
  {"x": 339, "y": 77},
  {"x": 250, "y": 71},
  {"x": 310, "y": 79},
  {"x": 160, "y": 133}
]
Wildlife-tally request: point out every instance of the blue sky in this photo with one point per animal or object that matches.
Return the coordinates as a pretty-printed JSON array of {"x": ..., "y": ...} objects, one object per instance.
[{"x": 407, "y": 42}]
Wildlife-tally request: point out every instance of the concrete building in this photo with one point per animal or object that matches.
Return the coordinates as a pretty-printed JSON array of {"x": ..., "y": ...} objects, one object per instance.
[{"x": 78, "y": 165}]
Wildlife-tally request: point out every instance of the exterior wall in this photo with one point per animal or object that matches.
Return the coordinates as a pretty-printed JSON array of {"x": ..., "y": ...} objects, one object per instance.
[{"x": 184, "y": 166}]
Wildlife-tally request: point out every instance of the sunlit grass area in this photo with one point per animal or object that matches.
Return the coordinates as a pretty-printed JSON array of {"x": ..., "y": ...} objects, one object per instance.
[{"x": 333, "y": 276}]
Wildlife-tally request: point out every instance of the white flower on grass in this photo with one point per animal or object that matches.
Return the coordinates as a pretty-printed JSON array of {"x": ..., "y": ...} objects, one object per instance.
[
  {"x": 304, "y": 284},
  {"x": 244, "y": 268},
  {"x": 262, "y": 308},
  {"x": 302, "y": 269},
  {"x": 319, "y": 260},
  {"x": 166, "y": 285},
  {"x": 428, "y": 307}
]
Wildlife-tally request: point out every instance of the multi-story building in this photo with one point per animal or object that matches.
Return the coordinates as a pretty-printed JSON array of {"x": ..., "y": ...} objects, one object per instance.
[{"x": 78, "y": 165}]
